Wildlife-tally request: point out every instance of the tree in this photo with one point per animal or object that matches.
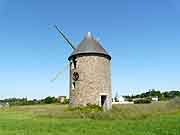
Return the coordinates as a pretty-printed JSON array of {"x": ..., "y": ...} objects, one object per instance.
[{"x": 49, "y": 100}]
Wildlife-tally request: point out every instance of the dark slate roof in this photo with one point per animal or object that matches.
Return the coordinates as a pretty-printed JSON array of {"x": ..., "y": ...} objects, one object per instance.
[{"x": 89, "y": 45}]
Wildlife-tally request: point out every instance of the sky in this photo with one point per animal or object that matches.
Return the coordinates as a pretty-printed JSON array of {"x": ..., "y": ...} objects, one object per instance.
[{"x": 142, "y": 36}]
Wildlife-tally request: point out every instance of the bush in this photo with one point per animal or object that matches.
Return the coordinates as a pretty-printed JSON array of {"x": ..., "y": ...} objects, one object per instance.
[
  {"x": 87, "y": 109},
  {"x": 142, "y": 101}
]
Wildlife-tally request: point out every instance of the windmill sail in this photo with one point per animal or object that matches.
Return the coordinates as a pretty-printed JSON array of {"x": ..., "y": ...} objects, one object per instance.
[
  {"x": 59, "y": 73},
  {"x": 65, "y": 38}
]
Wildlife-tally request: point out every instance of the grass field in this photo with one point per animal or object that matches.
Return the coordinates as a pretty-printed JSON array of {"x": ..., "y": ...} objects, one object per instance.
[{"x": 151, "y": 119}]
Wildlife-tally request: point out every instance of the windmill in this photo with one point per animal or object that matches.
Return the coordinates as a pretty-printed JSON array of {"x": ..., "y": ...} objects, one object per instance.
[{"x": 90, "y": 75}]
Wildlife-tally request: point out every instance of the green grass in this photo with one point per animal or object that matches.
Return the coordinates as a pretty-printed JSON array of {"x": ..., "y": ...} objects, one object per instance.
[{"x": 151, "y": 119}]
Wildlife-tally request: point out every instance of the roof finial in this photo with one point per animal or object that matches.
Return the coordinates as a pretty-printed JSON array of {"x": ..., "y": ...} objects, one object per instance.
[{"x": 89, "y": 35}]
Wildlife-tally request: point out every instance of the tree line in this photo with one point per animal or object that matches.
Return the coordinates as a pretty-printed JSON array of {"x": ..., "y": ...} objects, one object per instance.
[
  {"x": 162, "y": 96},
  {"x": 25, "y": 101}
]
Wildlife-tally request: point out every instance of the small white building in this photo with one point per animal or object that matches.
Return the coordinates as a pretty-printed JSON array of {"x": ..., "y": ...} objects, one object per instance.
[
  {"x": 155, "y": 99},
  {"x": 61, "y": 99},
  {"x": 121, "y": 100}
]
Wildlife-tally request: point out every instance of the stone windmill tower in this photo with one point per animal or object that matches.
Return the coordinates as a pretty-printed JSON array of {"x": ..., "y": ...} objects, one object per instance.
[{"x": 90, "y": 75}]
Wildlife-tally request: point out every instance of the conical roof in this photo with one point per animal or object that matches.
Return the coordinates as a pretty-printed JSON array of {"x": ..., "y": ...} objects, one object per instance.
[{"x": 89, "y": 45}]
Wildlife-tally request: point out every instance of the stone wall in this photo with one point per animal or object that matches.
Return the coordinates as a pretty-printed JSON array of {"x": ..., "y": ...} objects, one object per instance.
[{"x": 94, "y": 81}]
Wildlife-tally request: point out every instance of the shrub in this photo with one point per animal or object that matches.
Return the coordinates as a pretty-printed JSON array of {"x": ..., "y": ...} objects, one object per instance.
[
  {"x": 142, "y": 101},
  {"x": 87, "y": 109}
]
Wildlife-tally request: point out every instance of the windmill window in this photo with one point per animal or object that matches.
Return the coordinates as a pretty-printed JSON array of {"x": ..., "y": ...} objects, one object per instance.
[
  {"x": 75, "y": 76},
  {"x": 74, "y": 85},
  {"x": 74, "y": 63}
]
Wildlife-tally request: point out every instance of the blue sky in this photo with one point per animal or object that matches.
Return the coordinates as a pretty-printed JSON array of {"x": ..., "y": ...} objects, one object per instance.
[{"x": 142, "y": 36}]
